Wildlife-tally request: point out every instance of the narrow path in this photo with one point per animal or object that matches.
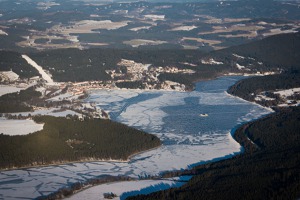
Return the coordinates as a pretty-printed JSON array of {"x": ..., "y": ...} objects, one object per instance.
[{"x": 45, "y": 76}]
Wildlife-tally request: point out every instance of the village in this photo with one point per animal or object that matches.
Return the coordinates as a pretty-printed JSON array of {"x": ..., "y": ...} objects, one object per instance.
[
  {"x": 64, "y": 97},
  {"x": 68, "y": 97},
  {"x": 130, "y": 71}
]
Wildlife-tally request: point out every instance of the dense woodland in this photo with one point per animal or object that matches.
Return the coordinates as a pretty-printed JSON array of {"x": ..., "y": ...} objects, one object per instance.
[
  {"x": 249, "y": 88},
  {"x": 13, "y": 61},
  {"x": 19, "y": 101},
  {"x": 269, "y": 169},
  {"x": 278, "y": 51},
  {"x": 90, "y": 64},
  {"x": 68, "y": 140}
]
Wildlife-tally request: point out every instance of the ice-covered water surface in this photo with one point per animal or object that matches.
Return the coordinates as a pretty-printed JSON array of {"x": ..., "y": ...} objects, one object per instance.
[
  {"x": 121, "y": 188},
  {"x": 204, "y": 116},
  {"x": 194, "y": 127}
]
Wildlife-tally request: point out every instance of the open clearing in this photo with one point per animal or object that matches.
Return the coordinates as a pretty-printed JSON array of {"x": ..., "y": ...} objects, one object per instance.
[
  {"x": 183, "y": 28},
  {"x": 89, "y": 26},
  {"x": 45, "y": 76},
  {"x": 210, "y": 42},
  {"x": 141, "y": 42},
  {"x": 19, "y": 127},
  {"x": 6, "y": 89},
  {"x": 125, "y": 189}
]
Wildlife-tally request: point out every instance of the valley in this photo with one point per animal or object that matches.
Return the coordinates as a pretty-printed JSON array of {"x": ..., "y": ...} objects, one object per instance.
[{"x": 149, "y": 99}]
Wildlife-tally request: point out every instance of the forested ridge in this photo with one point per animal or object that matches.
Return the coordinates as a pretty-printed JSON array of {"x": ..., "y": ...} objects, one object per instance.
[
  {"x": 18, "y": 101},
  {"x": 13, "y": 61},
  {"x": 269, "y": 168},
  {"x": 69, "y": 140},
  {"x": 250, "y": 87},
  {"x": 275, "y": 53},
  {"x": 278, "y": 51},
  {"x": 91, "y": 64}
]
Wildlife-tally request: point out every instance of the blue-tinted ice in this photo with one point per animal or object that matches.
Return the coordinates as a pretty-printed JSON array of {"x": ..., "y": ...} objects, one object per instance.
[{"x": 193, "y": 126}]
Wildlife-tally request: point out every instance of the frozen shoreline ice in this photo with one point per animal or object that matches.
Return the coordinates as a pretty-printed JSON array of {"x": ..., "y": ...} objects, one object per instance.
[
  {"x": 126, "y": 189},
  {"x": 173, "y": 116}
]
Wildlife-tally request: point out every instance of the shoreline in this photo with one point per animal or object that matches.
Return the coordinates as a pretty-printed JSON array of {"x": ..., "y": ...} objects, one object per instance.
[
  {"x": 189, "y": 169},
  {"x": 252, "y": 102},
  {"x": 83, "y": 161},
  {"x": 233, "y": 134},
  {"x": 130, "y": 157}
]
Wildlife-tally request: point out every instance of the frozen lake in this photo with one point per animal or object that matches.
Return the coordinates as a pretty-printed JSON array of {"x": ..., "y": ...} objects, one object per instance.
[{"x": 175, "y": 117}]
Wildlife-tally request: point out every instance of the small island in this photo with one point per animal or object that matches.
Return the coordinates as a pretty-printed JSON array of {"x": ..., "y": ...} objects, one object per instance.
[{"x": 203, "y": 115}]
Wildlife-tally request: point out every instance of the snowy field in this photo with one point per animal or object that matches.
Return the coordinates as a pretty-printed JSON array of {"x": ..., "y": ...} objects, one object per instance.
[
  {"x": 66, "y": 96},
  {"x": 45, "y": 76},
  {"x": 19, "y": 127},
  {"x": 175, "y": 117},
  {"x": 155, "y": 17},
  {"x": 184, "y": 28},
  {"x": 6, "y": 89},
  {"x": 89, "y": 26},
  {"x": 140, "y": 28},
  {"x": 121, "y": 188},
  {"x": 56, "y": 112},
  {"x": 24, "y": 127},
  {"x": 289, "y": 92},
  {"x": 3, "y": 32},
  {"x": 141, "y": 42}
]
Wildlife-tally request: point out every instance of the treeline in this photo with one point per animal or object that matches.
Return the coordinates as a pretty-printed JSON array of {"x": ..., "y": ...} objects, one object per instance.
[
  {"x": 69, "y": 140},
  {"x": 13, "y": 61},
  {"x": 179, "y": 78},
  {"x": 275, "y": 53},
  {"x": 249, "y": 88},
  {"x": 282, "y": 130},
  {"x": 78, "y": 65},
  {"x": 278, "y": 51},
  {"x": 131, "y": 84},
  {"x": 90, "y": 64},
  {"x": 18, "y": 101},
  {"x": 75, "y": 187},
  {"x": 272, "y": 171}
]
